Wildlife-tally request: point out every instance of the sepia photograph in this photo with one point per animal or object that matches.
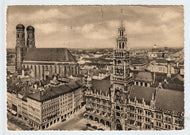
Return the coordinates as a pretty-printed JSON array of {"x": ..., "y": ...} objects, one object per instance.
[{"x": 79, "y": 68}]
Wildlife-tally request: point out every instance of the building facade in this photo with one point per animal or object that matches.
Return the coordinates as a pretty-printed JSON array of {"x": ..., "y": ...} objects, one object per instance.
[
  {"x": 124, "y": 104},
  {"x": 43, "y": 108}
]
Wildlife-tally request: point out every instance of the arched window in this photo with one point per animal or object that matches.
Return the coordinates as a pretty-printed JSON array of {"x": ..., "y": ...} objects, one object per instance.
[
  {"x": 119, "y": 61},
  {"x": 119, "y": 45},
  {"x": 123, "y": 45},
  {"x": 121, "y": 33},
  {"x": 141, "y": 84}
]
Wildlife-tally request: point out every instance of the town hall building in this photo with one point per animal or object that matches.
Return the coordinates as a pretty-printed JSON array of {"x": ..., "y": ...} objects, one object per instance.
[{"x": 123, "y": 102}]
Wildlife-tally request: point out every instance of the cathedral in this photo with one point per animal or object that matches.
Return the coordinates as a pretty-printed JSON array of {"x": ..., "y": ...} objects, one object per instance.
[
  {"x": 43, "y": 63},
  {"x": 117, "y": 103}
]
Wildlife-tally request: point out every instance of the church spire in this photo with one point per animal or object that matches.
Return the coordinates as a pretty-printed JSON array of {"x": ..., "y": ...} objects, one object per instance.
[
  {"x": 121, "y": 29},
  {"x": 122, "y": 18}
]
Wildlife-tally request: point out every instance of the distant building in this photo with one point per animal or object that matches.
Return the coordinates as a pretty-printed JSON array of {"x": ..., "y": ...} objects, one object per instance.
[
  {"x": 162, "y": 66},
  {"x": 138, "y": 63},
  {"x": 100, "y": 75},
  {"x": 144, "y": 79},
  {"x": 156, "y": 53}
]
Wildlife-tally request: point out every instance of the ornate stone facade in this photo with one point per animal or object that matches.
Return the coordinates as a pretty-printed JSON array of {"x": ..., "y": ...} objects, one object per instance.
[{"x": 121, "y": 104}]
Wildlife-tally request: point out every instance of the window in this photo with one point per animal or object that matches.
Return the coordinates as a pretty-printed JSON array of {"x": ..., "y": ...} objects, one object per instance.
[
  {"x": 132, "y": 121},
  {"x": 139, "y": 117},
  {"x": 158, "y": 116},
  {"x": 147, "y": 102},
  {"x": 118, "y": 114},
  {"x": 147, "y": 119},
  {"x": 158, "y": 124},
  {"x": 117, "y": 107},
  {"x": 132, "y": 108},
  {"x": 123, "y": 45},
  {"x": 119, "y": 61},
  {"x": 119, "y": 45},
  {"x": 139, "y": 111},
  {"x": 147, "y": 126},
  {"x": 132, "y": 100},
  {"x": 139, "y": 101},
  {"x": 139, "y": 124},
  {"x": 131, "y": 115}
]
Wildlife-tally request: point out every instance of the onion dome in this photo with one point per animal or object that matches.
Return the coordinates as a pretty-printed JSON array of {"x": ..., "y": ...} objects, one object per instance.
[
  {"x": 30, "y": 28},
  {"x": 20, "y": 26}
]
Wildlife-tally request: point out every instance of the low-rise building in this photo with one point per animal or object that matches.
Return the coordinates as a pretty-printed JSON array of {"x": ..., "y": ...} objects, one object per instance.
[{"x": 43, "y": 108}]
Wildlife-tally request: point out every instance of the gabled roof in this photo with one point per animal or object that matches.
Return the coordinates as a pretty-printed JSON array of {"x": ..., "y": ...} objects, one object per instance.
[{"x": 49, "y": 54}]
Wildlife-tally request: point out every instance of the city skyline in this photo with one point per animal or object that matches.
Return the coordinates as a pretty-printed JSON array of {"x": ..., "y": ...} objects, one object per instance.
[
  {"x": 101, "y": 89},
  {"x": 96, "y": 26}
]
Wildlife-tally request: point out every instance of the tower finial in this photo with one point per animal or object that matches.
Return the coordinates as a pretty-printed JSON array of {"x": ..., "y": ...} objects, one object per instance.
[{"x": 121, "y": 17}]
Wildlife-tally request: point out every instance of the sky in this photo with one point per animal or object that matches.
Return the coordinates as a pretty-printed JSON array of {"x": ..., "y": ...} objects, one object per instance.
[{"x": 97, "y": 26}]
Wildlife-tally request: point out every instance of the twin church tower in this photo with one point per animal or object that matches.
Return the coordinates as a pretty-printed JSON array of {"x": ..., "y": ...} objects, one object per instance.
[{"x": 21, "y": 46}]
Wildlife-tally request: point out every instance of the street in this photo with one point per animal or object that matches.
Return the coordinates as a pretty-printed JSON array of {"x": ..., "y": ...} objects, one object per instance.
[
  {"x": 15, "y": 123},
  {"x": 12, "y": 126},
  {"x": 75, "y": 122}
]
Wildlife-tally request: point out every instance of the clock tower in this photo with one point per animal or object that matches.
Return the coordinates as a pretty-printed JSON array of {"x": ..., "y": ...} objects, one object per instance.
[{"x": 121, "y": 81}]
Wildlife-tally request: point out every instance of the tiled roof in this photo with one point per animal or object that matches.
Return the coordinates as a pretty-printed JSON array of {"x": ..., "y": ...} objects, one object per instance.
[
  {"x": 101, "y": 85},
  {"x": 52, "y": 92},
  {"x": 138, "y": 60},
  {"x": 144, "y": 76},
  {"x": 49, "y": 54},
  {"x": 142, "y": 92},
  {"x": 175, "y": 83},
  {"x": 170, "y": 100},
  {"x": 166, "y": 99}
]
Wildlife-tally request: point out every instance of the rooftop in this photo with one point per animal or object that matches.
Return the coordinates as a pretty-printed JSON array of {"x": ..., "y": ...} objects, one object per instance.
[
  {"x": 102, "y": 85},
  {"x": 175, "y": 83},
  {"x": 166, "y": 99},
  {"x": 139, "y": 60},
  {"x": 49, "y": 54},
  {"x": 144, "y": 76},
  {"x": 170, "y": 100},
  {"x": 52, "y": 92},
  {"x": 142, "y": 92}
]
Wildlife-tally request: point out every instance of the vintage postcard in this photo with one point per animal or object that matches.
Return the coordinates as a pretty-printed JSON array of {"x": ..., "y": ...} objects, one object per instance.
[{"x": 95, "y": 68}]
